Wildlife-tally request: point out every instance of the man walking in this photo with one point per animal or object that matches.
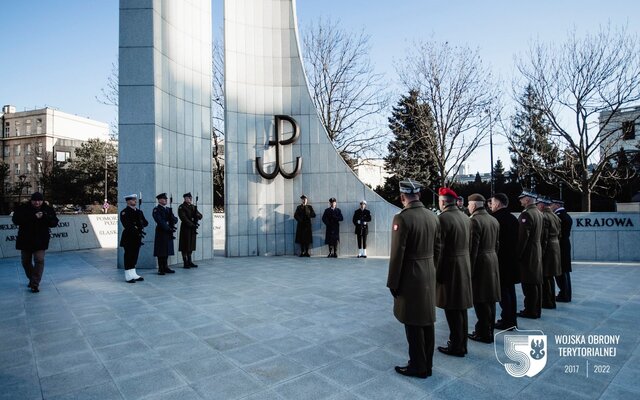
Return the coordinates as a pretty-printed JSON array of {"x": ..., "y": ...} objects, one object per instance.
[
  {"x": 34, "y": 220},
  {"x": 415, "y": 244},
  {"x": 165, "y": 228},
  {"x": 189, "y": 217},
  {"x": 485, "y": 273},
  {"x": 507, "y": 261},
  {"x": 453, "y": 275},
  {"x": 529, "y": 253},
  {"x": 331, "y": 218},
  {"x": 134, "y": 222},
  {"x": 361, "y": 219},
  {"x": 564, "y": 279},
  {"x": 304, "y": 213}
]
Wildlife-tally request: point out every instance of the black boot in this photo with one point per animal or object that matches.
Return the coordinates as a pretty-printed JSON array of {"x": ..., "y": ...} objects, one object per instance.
[
  {"x": 185, "y": 262},
  {"x": 160, "y": 266},
  {"x": 191, "y": 262}
]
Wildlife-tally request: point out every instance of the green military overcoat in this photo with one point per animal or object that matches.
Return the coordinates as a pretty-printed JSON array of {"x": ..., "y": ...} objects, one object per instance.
[
  {"x": 529, "y": 248},
  {"x": 453, "y": 275},
  {"x": 415, "y": 247},
  {"x": 551, "y": 261},
  {"x": 189, "y": 217},
  {"x": 485, "y": 269}
]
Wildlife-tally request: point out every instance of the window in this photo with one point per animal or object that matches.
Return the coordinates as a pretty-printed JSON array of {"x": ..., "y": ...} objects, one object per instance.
[
  {"x": 39, "y": 148},
  {"x": 39, "y": 168},
  {"x": 7, "y": 151},
  {"x": 628, "y": 130},
  {"x": 16, "y": 150},
  {"x": 62, "y": 156},
  {"x": 28, "y": 129},
  {"x": 28, "y": 150},
  {"x": 18, "y": 127},
  {"x": 16, "y": 168},
  {"x": 7, "y": 130},
  {"x": 28, "y": 168}
]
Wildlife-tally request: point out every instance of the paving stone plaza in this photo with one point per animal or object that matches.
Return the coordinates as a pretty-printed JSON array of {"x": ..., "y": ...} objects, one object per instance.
[{"x": 278, "y": 328}]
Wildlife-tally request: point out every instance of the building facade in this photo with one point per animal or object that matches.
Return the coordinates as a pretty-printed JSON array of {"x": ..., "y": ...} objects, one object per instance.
[
  {"x": 620, "y": 131},
  {"x": 32, "y": 140}
]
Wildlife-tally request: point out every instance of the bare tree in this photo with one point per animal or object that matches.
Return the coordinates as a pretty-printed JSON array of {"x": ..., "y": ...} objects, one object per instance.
[
  {"x": 109, "y": 97},
  {"x": 217, "y": 115},
  {"x": 574, "y": 83},
  {"x": 347, "y": 92},
  {"x": 461, "y": 95}
]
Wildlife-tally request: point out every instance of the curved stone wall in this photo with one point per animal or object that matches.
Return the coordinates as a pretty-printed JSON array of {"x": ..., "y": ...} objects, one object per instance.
[{"x": 264, "y": 78}]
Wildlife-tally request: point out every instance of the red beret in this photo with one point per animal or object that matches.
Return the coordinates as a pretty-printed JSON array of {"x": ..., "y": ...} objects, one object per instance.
[{"x": 447, "y": 192}]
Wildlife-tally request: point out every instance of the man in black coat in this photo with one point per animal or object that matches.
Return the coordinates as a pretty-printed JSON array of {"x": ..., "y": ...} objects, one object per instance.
[
  {"x": 34, "y": 220},
  {"x": 331, "y": 218},
  {"x": 189, "y": 216},
  {"x": 361, "y": 219},
  {"x": 134, "y": 222},
  {"x": 165, "y": 228},
  {"x": 507, "y": 261},
  {"x": 564, "y": 280},
  {"x": 304, "y": 233}
]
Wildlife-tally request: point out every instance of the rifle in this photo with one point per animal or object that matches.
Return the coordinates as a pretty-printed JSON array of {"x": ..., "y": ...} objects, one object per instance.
[
  {"x": 171, "y": 223},
  {"x": 194, "y": 218},
  {"x": 139, "y": 225}
]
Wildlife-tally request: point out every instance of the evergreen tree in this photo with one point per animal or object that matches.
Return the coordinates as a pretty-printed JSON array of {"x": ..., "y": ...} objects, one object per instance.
[
  {"x": 478, "y": 178},
  {"x": 499, "y": 179}
]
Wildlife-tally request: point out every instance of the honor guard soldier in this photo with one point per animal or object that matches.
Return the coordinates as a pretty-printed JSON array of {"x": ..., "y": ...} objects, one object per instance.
[
  {"x": 331, "y": 218},
  {"x": 485, "y": 272},
  {"x": 415, "y": 248},
  {"x": 361, "y": 219},
  {"x": 165, "y": 228},
  {"x": 453, "y": 276},
  {"x": 134, "y": 222},
  {"x": 189, "y": 217},
  {"x": 564, "y": 280},
  {"x": 529, "y": 254},
  {"x": 507, "y": 260},
  {"x": 550, "y": 252},
  {"x": 303, "y": 216}
]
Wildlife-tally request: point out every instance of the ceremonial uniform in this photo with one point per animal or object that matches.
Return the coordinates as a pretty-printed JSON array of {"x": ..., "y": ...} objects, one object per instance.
[
  {"x": 415, "y": 247},
  {"x": 361, "y": 219},
  {"x": 304, "y": 231},
  {"x": 485, "y": 272},
  {"x": 331, "y": 218},
  {"x": 189, "y": 217},
  {"x": 564, "y": 280},
  {"x": 551, "y": 266},
  {"x": 453, "y": 275},
  {"x": 529, "y": 253},
  {"x": 508, "y": 265},
  {"x": 133, "y": 222},
  {"x": 163, "y": 240}
]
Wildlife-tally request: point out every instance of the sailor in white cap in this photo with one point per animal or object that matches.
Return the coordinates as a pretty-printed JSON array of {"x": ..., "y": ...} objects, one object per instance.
[
  {"x": 133, "y": 221},
  {"x": 361, "y": 219}
]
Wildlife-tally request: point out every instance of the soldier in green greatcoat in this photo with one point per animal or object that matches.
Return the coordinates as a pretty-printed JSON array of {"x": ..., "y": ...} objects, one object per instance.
[
  {"x": 529, "y": 254},
  {"x": 189, "y": 217}
]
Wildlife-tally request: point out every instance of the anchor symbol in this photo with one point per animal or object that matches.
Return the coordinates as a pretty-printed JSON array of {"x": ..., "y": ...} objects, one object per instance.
[
  {"x": 84, "y": 228},
  {"x": 278, "y": 169}
]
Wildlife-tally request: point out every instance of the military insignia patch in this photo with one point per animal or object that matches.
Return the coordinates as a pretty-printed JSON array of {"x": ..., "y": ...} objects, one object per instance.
[
  {"x": 395, "y": 227},
  {"x": 524, "y": 220}
]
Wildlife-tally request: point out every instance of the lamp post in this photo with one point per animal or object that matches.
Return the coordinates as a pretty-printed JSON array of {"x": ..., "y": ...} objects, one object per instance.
[
  {"x": 105, "y": 174},
  {"x": 491, "y": 151}
]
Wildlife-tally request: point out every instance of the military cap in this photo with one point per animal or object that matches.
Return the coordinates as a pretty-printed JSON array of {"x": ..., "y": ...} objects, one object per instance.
[
  {"x": 543, "y": 200},
  {"x": 460, "y": 198},
  {"x": 131, "y": 197},
  {"x": 187, "y": 195},
  {"x": 303, "y": 197},
  {"x": 526, "y": 193},
  {"x": 162, "y": 196},
  {"x": 363, "y": 201},
  {"x": 557, "y": 201},
  {"x": 37, "y": 196},
  {"x": 447, "y": 192},
  {"x": 331, "y": 200},
  {"x": 476, "y": 197},
  {"x": 410, "y": 186}
]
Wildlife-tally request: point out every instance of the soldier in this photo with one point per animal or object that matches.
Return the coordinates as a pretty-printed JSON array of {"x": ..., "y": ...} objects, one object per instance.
[
  {"x": 34, "y": 220},
  {"x": 564, "y": 280},
  {"x": 460, "y": 205},
  {"x": 361, "y": 219},
  {"x": 331, "y": 218},
  {"x": 529, "y": 252},
  {"x": 189, "y": 216},
  {"x": 165, "y": 228},
  {"x": 485, "y": 272},
  {"x": 134, "y": 222},
  {"x": 415, "y": 247},
  {"x": 303, "y": 215},
  {"x": 507, "y": 261},
  {"x": 453, "y": 275},
  {"x": 550, "y": 252}
]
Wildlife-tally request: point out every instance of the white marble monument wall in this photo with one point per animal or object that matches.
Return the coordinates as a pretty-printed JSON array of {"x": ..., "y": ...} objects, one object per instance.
[
  {"x": 165, "y": 110},
  {"x": 264, "y": 77}
]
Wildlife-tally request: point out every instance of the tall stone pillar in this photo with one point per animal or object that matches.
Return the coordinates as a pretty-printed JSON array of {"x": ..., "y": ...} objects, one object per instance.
[{"x": 165, "y": 111}]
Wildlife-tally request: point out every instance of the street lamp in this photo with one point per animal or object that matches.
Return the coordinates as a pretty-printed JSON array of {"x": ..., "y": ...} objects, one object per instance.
[{"x": 491, "y": 150}]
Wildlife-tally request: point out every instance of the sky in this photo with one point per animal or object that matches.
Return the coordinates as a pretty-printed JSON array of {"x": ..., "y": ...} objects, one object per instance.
[{"x": 62, "y": 56}]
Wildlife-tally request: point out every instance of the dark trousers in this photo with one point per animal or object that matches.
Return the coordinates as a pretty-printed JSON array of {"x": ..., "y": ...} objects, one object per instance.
[
  {"x": 33, "y": 264},
  {"x": 508, "y": 304},
  {"x": 458, "y": 329},
  {"x": 131, "y": 256},
  {"x": 486, "y": 313},
  {"x": 362, "y": 241},
  {"x": 163, "y": 263},
  {"x": 532, "y": 299},
  {"x": 421, "y": 341},
  {"x": 564, "y": 284},
  {"x": 304, "y": 248},
  {"x": 333, "y": 249},
  {"x": 548, "y": 292}
]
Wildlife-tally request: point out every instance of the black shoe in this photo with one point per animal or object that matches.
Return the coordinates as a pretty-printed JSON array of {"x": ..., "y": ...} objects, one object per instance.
[
  {"x": 194, "y": 265},
  {"x": 160, "y": 272},
  {"x": 307, "y": 255},
  {"x": 548, "y": 307},
  {"x": 330, "y": 255},
  {"x": 131, "y": 281},
  {"x": 364, "y": 256},
  {"x": 139, "y": 279},
  {"x": 335, "y": 255},
  {"x": 187, "y": 266},
  {"x": 505, "y": 326},
  {"x": 408, "y": 371},
  {"x": 449, "y": 345},
  {"x": 34, "y": 289},
  {"x": 562, "y": 299},
  {"x": 525, "y": 314},
  {"x": 450, "y": 352},
  {"x": 169, "y": 271},
  {"x": 484, "y": 339},
  {"x": 301, "y": 255}
]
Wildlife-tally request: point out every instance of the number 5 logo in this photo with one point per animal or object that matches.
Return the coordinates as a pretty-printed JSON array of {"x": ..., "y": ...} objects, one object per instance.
[{"x": 526, "y": 352}]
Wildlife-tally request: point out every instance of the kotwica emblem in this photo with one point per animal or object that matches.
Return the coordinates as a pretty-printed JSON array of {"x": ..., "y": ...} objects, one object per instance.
[{"x": 279, "y": 120}]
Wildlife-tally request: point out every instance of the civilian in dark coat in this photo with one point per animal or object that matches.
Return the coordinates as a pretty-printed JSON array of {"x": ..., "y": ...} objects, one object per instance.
[
  {"x": 304, "y": 232},
  {"x": 415, "y": 244},
  {"x": 507, "y": 260},
  {"x": 189, "y": 217},
  {"x": 485, "y": 272},
  {"x": 331, "y": 218},
  {"x": 361, "y": 219},
  {"x": 134, "y": 222},
  {"x": 453, "y": 273},
  {"x": 34, "y": 220},
  {"x": 564, "y": 280},
  {"x": 530, "y": 255},
  {"x": 165, "y": 228}
]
